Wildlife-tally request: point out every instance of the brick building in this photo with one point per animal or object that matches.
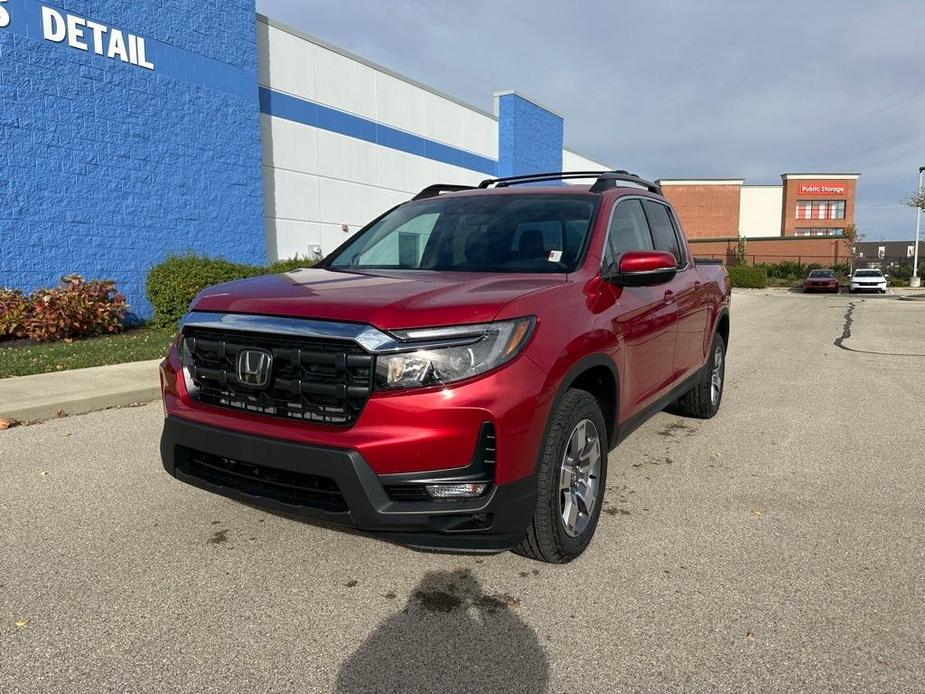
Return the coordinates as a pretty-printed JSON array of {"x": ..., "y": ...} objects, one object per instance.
[{"x": 801, "y": 219}]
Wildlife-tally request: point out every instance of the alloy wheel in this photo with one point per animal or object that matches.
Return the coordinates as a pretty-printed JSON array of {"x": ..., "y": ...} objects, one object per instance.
[{"x": 579, "y": 477}]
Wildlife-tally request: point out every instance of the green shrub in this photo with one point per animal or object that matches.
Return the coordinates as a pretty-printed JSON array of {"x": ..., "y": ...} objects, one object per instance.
[
  {"x": 753, "y": 277},
  {"x": 787, "y": 270},
  {"x": 842, "y": 271},
  {"x": 174, "y": 283},
  {"x": 289, "y": 264}
]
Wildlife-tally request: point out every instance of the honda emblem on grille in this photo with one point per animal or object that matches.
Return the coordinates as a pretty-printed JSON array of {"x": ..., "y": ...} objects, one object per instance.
[{"x": 254, "y": 366}]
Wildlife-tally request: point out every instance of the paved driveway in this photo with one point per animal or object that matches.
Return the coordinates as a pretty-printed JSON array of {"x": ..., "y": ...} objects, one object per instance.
[{"x": 777, "y": 547}]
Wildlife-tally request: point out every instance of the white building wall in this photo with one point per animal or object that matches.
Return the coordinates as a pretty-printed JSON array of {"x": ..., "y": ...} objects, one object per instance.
[
  {"x": 316, "y": 180},
  {"x": 760, "y": 209},
  {"x": 571, "y": 161}
]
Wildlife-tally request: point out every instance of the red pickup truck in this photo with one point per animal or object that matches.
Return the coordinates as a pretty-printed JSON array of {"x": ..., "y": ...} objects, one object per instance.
[{"x": 455, "y": 374}]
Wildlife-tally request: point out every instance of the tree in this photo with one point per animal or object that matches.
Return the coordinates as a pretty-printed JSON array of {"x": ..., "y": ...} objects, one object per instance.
[
  {"x": 852, "y": 236},
  {"x": 916, "y": 200},
  {"x": 741, "y": 259}
]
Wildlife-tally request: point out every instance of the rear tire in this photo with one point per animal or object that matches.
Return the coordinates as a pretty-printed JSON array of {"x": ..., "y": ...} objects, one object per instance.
[
  {"x": 704, "y": 398},
  {"x": 571, "y": 476}
]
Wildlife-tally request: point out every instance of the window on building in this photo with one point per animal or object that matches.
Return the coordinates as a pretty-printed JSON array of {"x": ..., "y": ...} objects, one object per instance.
[
  {"x": 818, "y": 231},
  {"x": 820, "y": 209}
]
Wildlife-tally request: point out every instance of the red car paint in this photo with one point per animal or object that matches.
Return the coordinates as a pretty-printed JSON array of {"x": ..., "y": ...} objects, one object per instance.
[
  {"x": 821, "y": 281},
  {"x": 655, "y": 337}
]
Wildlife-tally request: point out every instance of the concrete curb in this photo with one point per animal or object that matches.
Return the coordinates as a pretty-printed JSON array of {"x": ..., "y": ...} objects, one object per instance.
[{"x": 44, "y": 396}]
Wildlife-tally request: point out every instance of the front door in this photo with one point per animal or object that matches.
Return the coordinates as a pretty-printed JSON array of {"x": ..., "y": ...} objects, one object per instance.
[
  {"x": 644, "y": 318},
  {"x": 688, "y": 292}
]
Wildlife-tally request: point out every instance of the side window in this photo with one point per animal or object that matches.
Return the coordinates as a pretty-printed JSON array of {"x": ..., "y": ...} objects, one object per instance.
[
  {"x": 663, "y": 231},
  {"x": 628, "y": 231}
]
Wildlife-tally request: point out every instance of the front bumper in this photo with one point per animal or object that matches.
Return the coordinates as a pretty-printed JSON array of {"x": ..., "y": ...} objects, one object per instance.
[
  {"x": 880, "y": 287},
  {"x": 494, "y": 522}
]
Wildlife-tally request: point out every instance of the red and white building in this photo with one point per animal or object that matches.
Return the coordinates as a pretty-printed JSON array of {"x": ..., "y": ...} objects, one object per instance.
[{"x": 803, "y": 218}]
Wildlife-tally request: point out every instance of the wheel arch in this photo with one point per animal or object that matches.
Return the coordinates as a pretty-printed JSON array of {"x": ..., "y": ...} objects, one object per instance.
[
  {"x": 596, "y": 374},
  {"x": 722, "y": 326}
]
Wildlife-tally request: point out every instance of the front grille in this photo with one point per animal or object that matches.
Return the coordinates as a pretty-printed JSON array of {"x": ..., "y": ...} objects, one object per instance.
[
  {"x": 294, "y": 488},
  {"x": 317, "y": 380}
]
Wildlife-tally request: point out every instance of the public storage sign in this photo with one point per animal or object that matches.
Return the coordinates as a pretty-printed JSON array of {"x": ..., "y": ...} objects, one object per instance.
[
  {"x": 822, "y": 188},
  {"x": 81, "y": 34}
]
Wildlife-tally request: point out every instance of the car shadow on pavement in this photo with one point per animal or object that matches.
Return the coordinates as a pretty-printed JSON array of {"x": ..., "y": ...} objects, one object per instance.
[{"x": 450, "y": 636}]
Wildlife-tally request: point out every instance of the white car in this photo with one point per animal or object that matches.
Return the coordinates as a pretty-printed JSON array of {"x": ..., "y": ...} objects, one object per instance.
[{"x": 867, "y": 280}]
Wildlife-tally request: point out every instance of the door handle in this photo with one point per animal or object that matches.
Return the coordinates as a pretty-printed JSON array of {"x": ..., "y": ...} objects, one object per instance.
[{"x": 669, "y": 296}]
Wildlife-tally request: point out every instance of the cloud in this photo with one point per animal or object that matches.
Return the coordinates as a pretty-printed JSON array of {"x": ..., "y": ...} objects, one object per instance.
[{"x": 679, "y": 88}]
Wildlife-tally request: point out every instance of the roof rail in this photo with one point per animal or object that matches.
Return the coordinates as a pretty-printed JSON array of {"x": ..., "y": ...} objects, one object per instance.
[
  {"x": 534, "y": 178},
  {"x": 605, "y": 180},
  {"x": 435, "y": 190},
  {"x": 612, "y": 179}
]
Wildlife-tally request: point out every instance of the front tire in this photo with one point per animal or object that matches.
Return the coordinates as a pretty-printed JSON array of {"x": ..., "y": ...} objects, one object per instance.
[
  {"x": 571, "y": 475},
  {"x": 704, "y": 398}
]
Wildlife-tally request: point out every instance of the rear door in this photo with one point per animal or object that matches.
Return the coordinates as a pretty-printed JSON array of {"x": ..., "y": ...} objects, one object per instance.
[
  {"x": 686, "y": 288},
  {"x": 644, "y": 319}
]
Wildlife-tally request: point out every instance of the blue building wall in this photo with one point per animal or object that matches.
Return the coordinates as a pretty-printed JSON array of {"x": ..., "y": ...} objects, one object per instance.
[
  {"x": 529, "y": 137},
  {"x": 107, "y": 167}
]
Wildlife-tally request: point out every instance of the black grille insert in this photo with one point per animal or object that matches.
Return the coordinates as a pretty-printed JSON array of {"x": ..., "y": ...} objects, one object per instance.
[
  {"x": 294, "y": 488},
  {"x": 316, "y": 380}
]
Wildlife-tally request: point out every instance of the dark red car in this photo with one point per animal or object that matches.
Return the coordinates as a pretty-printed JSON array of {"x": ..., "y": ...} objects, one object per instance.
[
  {"x": 455, "y": 374},
  {"x": 821, "y": 281}
]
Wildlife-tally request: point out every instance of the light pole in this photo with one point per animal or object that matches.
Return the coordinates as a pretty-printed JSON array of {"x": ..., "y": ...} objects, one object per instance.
[{"x": 916, "y": 281}]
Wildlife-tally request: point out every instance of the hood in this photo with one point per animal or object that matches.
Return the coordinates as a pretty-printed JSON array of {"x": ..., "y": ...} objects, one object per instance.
[{"x": 385, "y": 299}]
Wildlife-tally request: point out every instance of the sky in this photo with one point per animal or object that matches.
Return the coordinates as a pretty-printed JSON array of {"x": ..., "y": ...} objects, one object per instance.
[{"x": 678, "y": 89}]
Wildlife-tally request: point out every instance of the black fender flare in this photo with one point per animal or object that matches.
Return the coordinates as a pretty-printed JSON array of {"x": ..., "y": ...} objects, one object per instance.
[
  {"x": 577, "y": 369},
  {"x": 722, "y": 313}
]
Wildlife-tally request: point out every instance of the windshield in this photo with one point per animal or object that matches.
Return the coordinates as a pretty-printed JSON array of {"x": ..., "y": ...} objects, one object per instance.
[
  {"x": 822, "y": 273},
  {"x": 476, "y": 233},
  {"x": 868, "y": 273}
]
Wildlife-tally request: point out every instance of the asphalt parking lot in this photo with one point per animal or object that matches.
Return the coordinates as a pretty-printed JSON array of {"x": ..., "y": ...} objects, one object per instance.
[{"x": 777, "y": 547}]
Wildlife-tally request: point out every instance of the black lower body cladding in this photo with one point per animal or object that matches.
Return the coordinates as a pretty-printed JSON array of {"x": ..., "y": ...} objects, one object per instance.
[{"x": 337, "y": 486}]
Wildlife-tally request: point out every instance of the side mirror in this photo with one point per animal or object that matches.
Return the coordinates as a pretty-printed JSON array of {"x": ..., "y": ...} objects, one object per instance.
[{"x": 643, "y": 268}]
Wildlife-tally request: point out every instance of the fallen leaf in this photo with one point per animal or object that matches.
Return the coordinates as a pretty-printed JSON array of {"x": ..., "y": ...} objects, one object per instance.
[
  {"x": 6, "y": 423},
  {"x": 21, "y": 623},
  {"x": 757, "y": 512},
  {"x": 62, "y": 413},
  {"x": 44, "y": 473},
  {"x": 749, "y": 636}
]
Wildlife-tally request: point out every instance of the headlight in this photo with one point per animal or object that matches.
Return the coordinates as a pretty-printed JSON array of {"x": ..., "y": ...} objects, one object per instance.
[{"x": 469, "y": 350}]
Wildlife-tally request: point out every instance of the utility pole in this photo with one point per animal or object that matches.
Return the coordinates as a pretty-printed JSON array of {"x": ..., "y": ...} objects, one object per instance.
[{"x": 916, "y": 281}]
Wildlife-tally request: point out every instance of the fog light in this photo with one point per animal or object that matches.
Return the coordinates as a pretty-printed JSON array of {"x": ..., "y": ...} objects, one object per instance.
[{"x": 456, "y": 491}]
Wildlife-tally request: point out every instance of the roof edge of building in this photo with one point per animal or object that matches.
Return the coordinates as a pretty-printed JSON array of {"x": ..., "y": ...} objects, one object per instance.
[
  {"x": 298, "y": 33},
  {"x": 701, "y": 181},
  {"x": 795, "y": 176}
]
